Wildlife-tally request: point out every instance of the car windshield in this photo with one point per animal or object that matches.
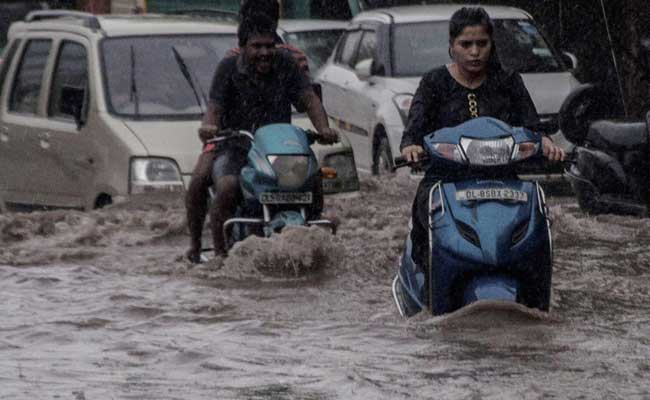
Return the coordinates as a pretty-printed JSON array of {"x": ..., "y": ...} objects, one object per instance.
[
  {"x": 419, "y": 47},
  {"x": 144, "y": 77},
  {"x": 317, "y": 45}
]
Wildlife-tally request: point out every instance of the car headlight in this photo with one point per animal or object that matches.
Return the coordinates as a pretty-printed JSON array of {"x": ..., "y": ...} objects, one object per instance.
[
  {"x": 488, "y": 152},
  {"x": 403, "y": 104},
  {"x": 346, "y": 173},
  {"x": 292, "y": 171},
  {"x": 343, "y": 163},
  {"x": 154, "y": 175}
]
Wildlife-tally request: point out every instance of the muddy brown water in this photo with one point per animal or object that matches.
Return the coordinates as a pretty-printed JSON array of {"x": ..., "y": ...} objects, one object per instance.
[{"x": 100, "y": 305}]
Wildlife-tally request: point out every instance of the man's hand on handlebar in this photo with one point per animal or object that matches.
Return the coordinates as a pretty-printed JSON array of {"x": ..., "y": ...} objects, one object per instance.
[
  {"x": 551, "y": 151},
  {"x": 412, "y": 153},
  {"x": 207, "y": 132},
  {"x": 328, "y": 136}
]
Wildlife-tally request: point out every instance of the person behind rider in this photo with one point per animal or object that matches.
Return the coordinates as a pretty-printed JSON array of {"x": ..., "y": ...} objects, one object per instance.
[
  {"x": 249, "y": 90},
  {"x": 473, "y": 85}
]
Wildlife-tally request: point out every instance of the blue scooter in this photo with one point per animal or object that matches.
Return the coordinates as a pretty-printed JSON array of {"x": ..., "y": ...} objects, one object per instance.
[
  {"x": 489, "y": 236},
  {"x": 281, "y": 183}
]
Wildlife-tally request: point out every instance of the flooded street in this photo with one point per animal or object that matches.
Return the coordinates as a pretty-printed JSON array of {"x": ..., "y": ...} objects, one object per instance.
[{"x": 100, "y": 305}]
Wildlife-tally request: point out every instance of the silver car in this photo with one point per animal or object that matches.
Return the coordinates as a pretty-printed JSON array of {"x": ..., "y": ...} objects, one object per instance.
[
  {"x": 94, "y": 109},
  {"x": 317, "y": 39},
  {"x": 369, "y": 81}
]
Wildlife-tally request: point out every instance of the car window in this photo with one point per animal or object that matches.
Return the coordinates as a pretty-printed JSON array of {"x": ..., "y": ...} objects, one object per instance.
[
  {"x": 349, "y": 47},
  {"x": 29, "y": 78},
  {"x": 419, "y": 47},
  {"x": 71, "y": 72},
  {"x": 317, "y": 45},
  {"x": 522, "y": 48},
  {"x": 144, "y": 75},
  {"x": 6, "y": 62},
  {"x": 367, "y": 47}
]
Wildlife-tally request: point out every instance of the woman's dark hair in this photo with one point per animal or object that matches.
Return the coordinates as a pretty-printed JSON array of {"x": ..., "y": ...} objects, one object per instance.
[
  {"x": 257, "y": 17},
  {"x": 469, "y": 16},
  {"x": 473, "y": 16}
]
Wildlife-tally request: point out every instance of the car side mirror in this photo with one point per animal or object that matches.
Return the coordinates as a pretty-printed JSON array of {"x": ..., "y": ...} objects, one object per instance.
[
  {"x": 363, "y": 69},
  {"x": 72, "y": 103},
  {"x": 570, "y": 59}
]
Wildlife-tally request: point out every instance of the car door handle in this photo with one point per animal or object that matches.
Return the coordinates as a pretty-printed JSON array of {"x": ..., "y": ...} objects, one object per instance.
[
  {"x": 4, "y": 134},
  {"x": 44, "y": 140},
  {"x": 84, "y": 161}
]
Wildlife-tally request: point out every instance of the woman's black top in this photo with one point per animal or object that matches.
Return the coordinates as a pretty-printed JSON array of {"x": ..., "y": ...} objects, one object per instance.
[{"x": 441, "y": 102}]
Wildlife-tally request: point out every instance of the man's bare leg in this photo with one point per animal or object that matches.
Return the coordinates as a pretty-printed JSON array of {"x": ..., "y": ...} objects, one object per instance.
[
  {"x": 196, "y": 203},
  {"x": 224, "y": 207}
]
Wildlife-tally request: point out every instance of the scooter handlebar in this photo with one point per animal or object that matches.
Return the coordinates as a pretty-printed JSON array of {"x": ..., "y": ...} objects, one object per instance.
[
  {"x": 401, "y": 162},
  {"x": 228, "y": 134},
  {"x": 313, "y": 136}
]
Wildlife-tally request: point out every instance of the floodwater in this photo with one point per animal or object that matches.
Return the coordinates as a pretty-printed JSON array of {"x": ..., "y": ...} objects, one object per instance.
[{"x": 100, "y": 305}]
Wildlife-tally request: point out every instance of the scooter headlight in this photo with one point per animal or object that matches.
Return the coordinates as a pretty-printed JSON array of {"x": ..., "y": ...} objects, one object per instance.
[
  {"x": 292, "y": 171},
  {"x": 488, "y": 152},
  {"x": 524, "y": 150},
  {"x": 450, "y": 152}
]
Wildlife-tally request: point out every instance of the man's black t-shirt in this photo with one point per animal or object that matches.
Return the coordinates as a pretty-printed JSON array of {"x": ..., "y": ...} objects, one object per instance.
[
  {"x": 441, "y": 102},
  {"x": 249, "y": 101}
]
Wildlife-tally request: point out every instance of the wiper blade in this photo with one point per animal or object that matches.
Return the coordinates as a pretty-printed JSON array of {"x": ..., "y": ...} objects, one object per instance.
[
  {"x": 134, "y": 88},
  {"x": 187, "y": 74}
]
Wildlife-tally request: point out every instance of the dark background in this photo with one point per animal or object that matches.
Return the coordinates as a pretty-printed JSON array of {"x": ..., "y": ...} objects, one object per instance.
[{"x": 577, "y": 26}]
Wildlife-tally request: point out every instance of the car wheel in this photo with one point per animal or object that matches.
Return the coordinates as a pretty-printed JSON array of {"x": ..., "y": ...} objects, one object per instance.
[
  {"x": 587, "y": 199},
  {"x": 383, "y": 159},
  {"x": 103, "y": 200}
]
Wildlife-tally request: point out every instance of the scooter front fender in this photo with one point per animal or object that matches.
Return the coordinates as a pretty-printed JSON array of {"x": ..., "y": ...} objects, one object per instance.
[
  {"x": 490, "y": 288},
  {"x": 283, "y": 219},
  {"x": 601, "y": 169}
]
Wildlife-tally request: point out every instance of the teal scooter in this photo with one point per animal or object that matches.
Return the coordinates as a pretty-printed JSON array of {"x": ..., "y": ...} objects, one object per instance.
[{"x": 281, "y": 183}]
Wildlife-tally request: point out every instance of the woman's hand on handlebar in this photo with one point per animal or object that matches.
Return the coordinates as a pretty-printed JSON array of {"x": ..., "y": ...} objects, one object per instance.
[
  {"x": 412, "y": 153},
  {"x": 551, "y": 151},
  {"x": 207, "y": 132}
]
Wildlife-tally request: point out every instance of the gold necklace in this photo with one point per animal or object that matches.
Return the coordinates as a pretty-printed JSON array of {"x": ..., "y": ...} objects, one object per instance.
[{"x": 473, "y": 105}]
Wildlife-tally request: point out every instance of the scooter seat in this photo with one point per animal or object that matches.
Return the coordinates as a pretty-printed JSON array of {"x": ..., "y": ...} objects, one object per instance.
[{"x": 618, "y": 135}]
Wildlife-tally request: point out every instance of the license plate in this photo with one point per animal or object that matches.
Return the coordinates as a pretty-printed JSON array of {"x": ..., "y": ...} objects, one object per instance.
[
  {"x": 286, "y": 198},
  {"x": 492, "y": 194}
]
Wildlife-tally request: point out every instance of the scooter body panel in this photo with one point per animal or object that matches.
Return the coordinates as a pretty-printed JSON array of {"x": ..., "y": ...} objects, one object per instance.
[
  {"x": 481, "y": 248},
  {"x": 496, "y": 239},
  {"x": 260, "y": 178}
]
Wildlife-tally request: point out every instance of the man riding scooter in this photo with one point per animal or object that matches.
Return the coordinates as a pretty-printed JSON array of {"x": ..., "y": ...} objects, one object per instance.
[{"x": 250, "y": 90}]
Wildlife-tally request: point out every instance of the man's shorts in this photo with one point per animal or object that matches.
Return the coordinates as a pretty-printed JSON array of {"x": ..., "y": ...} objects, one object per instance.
[{"x": 229, "y": 161}]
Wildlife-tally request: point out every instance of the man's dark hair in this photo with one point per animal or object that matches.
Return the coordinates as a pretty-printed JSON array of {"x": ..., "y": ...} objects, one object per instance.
[
  {"x": 271, "y": 8},
  {"x": 257, "y": 17}
]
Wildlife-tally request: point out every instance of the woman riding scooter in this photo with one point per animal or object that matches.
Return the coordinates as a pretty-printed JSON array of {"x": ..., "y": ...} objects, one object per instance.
[{"x": 474, "y": 84}]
